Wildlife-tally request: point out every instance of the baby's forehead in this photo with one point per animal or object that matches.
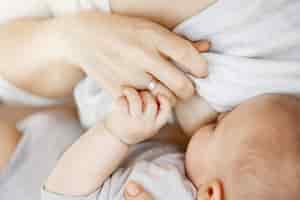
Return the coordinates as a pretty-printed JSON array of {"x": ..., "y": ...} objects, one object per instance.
[
  {"x": 265, "y": 118},
  {"x": 265, "y": 112}
]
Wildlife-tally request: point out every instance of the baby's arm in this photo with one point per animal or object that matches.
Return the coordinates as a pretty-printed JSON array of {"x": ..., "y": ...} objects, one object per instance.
[
  {"x": 194, "y": 113},
  {"x": 93, "y": 158}
]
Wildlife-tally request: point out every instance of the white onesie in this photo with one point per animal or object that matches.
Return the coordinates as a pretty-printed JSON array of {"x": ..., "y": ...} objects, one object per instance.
[
  {"x": 158, "y": 167},
  {"x": 45, "y": 136}
]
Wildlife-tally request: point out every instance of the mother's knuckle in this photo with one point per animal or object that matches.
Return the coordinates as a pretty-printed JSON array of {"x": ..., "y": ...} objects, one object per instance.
[
  {"x": 181, "y": 83},
  {"x": 186, "y": 88},
  {"x": 146, "y": 27},
  {"x": 185, "y": 51}
]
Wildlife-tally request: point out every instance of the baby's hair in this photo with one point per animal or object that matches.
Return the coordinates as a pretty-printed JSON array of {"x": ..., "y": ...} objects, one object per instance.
[{"x": 268, "y": 167}]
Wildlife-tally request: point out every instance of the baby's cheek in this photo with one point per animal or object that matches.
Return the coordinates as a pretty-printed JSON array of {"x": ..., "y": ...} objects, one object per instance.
[
  {"x": 194, "y": 165},
  {"x": 194, "y": 171},
  {"x": 198, "y": 158}
]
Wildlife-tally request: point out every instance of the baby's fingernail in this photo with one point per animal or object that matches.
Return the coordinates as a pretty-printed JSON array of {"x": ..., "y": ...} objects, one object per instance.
[{"x": 133, "y": 189}]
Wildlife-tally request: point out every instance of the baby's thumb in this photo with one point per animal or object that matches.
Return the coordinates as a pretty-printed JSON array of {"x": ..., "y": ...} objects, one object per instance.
[{"x": 134, "y": 191}]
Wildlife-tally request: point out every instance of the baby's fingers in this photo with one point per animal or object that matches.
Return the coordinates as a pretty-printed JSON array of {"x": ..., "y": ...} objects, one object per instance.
[
  {"x": 165, "y": 111},
  {"x": 121, "y": 105},
  {"x": 150, "y": 105},
  {"x": 134, "y": 101}
]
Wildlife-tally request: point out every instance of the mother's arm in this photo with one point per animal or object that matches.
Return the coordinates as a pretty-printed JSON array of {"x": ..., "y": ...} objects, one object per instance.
[
  {"x": 165, "y": 12},
  {"x": 25, "y": 59},
  {"x": 115, "y": 50},
  {"x": 32, "y": 58}
]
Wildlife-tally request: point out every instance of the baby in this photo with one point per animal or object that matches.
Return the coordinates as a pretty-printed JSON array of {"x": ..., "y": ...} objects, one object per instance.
[{"x": 251, "y": 153}]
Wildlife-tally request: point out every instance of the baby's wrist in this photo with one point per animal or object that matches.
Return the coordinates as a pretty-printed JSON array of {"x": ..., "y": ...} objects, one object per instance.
[
  {"x": 194, "y": 113},
  {"x": 109, "y": 130},
  {"x": 122, "y": 134},
  {"x": 116, "y": 136}
]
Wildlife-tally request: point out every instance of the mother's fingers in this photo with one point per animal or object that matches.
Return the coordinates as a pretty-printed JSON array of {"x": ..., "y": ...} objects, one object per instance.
[
  {"x": 106, "y": 79},
  {"x": 202, "y": 46},
  {"x": 133, "y": 191},
  {"x": 162, "y": 90},
  {"x": 183, "y": 53},
  {"x": 171, "y": 77},
  {"x": 141, "y": 81}
]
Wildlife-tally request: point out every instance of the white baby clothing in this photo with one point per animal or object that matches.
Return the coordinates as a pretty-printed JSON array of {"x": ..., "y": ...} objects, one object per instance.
[{"x": 45, "y": 136}]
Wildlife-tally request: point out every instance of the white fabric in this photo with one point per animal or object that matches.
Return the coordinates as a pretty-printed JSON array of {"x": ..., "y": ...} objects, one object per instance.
[
  {"x": 92, "y": 102},
  {"x": 235, "y": 79},
  {"x": 158, "y": 167},
  {"x": 12, "y": 9},
  {"x": 45, "y": 136},
  {"x": 256, "y": 49}
]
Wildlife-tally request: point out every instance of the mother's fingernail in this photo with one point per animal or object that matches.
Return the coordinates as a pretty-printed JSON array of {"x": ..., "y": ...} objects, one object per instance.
[{"x": 132, "y": 189}]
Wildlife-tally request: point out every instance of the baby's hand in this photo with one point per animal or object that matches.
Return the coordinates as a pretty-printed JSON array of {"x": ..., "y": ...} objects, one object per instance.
[{"x": 138, "y": 116}]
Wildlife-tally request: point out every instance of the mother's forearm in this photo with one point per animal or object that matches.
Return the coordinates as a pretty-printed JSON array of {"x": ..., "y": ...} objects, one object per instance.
[
  {"x": 165, "y": 12},
  {"x": 32, "y": 55}
]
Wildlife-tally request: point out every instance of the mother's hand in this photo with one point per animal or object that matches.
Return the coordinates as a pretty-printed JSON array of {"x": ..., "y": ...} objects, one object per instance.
[
  {"x": 134, "y": 191},
  {"x": 118, "y": 51}
]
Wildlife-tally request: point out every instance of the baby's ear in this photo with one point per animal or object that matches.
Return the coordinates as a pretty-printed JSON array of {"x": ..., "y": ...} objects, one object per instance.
[{"x": 212, "y": 190}]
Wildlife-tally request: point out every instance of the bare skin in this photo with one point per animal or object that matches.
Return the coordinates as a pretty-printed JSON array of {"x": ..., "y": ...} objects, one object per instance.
[
  {"x": 135, "y": 117},
  {"x": 33, "y": 63},
  {"x": 47, "y": 72}
]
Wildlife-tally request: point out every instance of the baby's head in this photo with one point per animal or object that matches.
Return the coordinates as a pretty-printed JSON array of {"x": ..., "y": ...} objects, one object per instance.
[{"x": 252, "y": 153}]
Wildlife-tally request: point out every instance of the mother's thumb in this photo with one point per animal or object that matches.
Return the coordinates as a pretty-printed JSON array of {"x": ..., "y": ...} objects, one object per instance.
[{"x": 134, "y": 191}]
